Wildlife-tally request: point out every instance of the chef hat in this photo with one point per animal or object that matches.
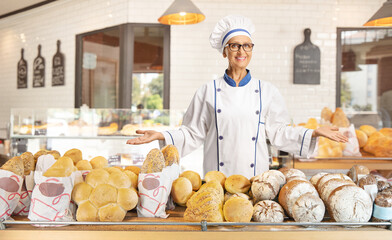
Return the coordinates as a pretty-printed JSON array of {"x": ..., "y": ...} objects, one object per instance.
[{"x": 228, "y": 27}]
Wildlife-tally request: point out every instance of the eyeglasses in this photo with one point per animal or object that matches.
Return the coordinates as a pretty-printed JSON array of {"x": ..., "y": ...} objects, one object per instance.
[{"x": 235, "y": 47}]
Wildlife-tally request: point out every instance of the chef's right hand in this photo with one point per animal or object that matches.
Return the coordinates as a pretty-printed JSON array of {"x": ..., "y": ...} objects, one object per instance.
[{"x": 148, "y": 136}]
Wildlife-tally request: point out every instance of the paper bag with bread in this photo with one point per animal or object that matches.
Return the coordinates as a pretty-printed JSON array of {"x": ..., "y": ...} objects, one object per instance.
[
  {"x": 159, "y": 170},
  {"x": 11, "y": 180},
  {"x": 54, "y": 181}
]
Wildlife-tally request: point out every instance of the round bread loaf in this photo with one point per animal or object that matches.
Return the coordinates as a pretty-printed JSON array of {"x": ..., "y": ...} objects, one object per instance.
[
  {"x": 81, "y": 192},
  {"x": 28, "y": 162},
  {"x": 96, "y": 177},
  {"x": 331, "y": 185},
  {"x": 99, "y": 162},
  {"x": 171, "y": 155},
  {"x": 308, "y": 208},
  {"x": 295, "y": 178},
  {"x": 326, "y": 114},
  {"x": 238, "y": 209},
  {"x": 193, "y": 177},
  {"x": 39, "y": 153},
  {"x": 132, "y": 177},
  {"x": 87, "y": 212},
  {"x": 313, "y": 180},
  {"x": 368, "y": 129},
  {"x": 75, "y": 154},
  {"x": 330, "y": 176},
  {"x": 292, "y": 172},
  {"x": 54, "y": 153},
  {"x": 350, "y": 203},
  {"x": 181, "y": 190},
  {"x": 134, "y": 169},
  {"x": 84, "y": 165},
  {"x": 103, "y": 194},
  {"x": 278, "y": 175},
  {"x": 14, "y": 165},
  {"x": 215, "y": 175},
  {"x": 119, "y": 180},
  {"x": 367, "y": 180},
  {"x": 154, "y": 162},
  {"x": 127, "y": 198},
  {"x": 231, "y": 195},
  {"x": 362, "y": 137},
  {"x": 291, "y": 191},
  {"x": 111, "y": 213},
  {"x": 357, "y": 171},
  {"x": 268, "y": 211},
  {"x": 237, "y": 184},
  {"x": 265, "y": 187}
]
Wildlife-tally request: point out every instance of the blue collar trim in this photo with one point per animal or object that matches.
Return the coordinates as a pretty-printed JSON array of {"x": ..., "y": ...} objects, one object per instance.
[
  {"x": 232, "y": 83},
  {"x": 234, "y": 30}
]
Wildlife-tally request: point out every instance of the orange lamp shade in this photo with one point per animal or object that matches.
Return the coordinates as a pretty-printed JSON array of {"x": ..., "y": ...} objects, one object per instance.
[
  {"x": 182, "y": 12},
  {"x": 383, "y": 17}
]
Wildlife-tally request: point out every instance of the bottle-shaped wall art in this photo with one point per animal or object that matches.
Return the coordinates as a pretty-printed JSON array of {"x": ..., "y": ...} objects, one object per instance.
[
  {"x": 39, "y": 70},
  {"x": 22, "y": 71},
  {"x": 58, "y": 67}
]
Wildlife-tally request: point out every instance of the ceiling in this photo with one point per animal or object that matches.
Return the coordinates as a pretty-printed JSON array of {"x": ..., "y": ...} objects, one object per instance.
[{"x": 8, "y": 6}]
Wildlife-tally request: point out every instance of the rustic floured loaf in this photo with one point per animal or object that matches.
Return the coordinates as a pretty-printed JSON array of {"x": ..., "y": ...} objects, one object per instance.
[
  {"x": 357, "y": 171},
  {"x": 265, "y": 187},
  {"x": 313, "y": 180},
  {"x": 268, "y": 211},
  {"x": 330, "y": 176},
  {"x": 292, "y": 172},
  {"x": 331, "y": 185},
  {"x": 308, "y": 208}
]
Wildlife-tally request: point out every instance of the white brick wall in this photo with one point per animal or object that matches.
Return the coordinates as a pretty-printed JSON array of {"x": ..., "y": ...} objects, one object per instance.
[{"x": 279, "y": 28}]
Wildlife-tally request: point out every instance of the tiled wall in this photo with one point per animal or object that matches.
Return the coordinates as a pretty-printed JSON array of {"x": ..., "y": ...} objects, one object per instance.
[{"x": 279, "y": 28}]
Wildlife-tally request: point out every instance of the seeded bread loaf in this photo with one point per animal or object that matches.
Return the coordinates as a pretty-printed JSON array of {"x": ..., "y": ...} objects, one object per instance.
[{"x": 154, "y": 162}]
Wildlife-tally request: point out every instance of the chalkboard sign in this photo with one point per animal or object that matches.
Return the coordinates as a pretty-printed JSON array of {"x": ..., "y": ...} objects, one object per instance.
[
  {"x": 39, "y": 70},
  {"x": 22, "y": 71},
  {"x": 58, "y": 67},
  {"x": 307, "y": 62}
]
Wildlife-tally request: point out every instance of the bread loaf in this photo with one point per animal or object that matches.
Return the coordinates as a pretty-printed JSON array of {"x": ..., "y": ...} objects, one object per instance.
[
  {"x": 368, "y": 129},
  {"x": 265, "y": 187},
  {"x": 171, "y": 155},
  {"x": 181, "y": 190},
  {"x": 326, "y": 115},
  {"x": 237, "y": 184},
  {"x": 331, "y": 185},
  {"x": 215, "y": 175},
  {"x": 308, "y": 208},
  {"x": 54, "y": 153},
  {"x": 14, "y": 165},
  {"x": 350, "y": 203},
  {"x": 96, "y": 177},
  {"x": 382, "y": 185},
  {"x": 238, "y": 209},
  {"x": 120, "y": 180},
  {"x": 28, "y": 162},
  {"x": 132, "y": 177},
  {"x": 315, "y": 178},
  {"x": 357, "y": 171},
  {"x": 367, "y": 180},
  {"x": 194, "y": 178},
  {"x": 63, "y": 167},
  {"x": 134, "y": 169},
  {"x": 111, "y": 213},
  {"x": 278, "y": 175},
  {"x": 84, "y": 165},
  {"x": 102, "y": 195},
  {"x": 81, "y": 192},
  {"x": 39, "y": 153},
  {"x": 154, "y": 162},
  {"x": 75, "y": 154},
  {"x": 292, "y": 172},
  {"x": 111, "y": 170},
  {"x": 362, "y": 137},
  {"x": 330, "y": 176},
  {"x": 291, "y": 191},
  {"x": 268, "y": 211},
  {"x": 87, "y": 212},
  {"x": 127, "y": 198},
  {"x": 241, "y": 195},
  {"x": 99, "y": 162},
  {"x": 339, "y": 119}
]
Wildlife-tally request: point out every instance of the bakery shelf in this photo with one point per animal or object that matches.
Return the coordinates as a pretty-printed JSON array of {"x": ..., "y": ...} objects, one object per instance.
[{"x": 343, "y": 163}]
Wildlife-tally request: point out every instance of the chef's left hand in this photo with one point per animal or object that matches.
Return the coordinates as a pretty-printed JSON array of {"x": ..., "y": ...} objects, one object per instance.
[{"x": 331, "y": 133}]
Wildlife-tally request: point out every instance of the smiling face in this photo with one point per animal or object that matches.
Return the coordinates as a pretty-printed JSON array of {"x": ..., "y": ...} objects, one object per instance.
[{"x": 239, "y": 59}]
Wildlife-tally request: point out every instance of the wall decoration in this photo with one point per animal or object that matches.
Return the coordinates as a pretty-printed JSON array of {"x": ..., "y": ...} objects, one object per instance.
[
  {"x": 22, "y": 71},
  {"x": 306, "y": 62},
  {"x": 39, "y": 70},
  {"x": 58, "y": 67}
]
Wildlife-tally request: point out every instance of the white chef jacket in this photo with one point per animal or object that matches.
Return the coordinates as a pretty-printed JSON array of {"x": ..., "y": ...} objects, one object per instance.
[{"x": 234, "y": 122}]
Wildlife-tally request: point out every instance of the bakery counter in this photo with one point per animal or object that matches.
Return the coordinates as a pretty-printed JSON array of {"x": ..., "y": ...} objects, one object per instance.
[
  {"x": 343, "y": 163},
  {"x": 174, "y": 227}
]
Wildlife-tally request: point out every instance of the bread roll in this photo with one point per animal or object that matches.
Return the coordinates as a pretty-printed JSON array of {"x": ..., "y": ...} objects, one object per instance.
[
  {"x": 313, "y": 180},
  {"x": 81, "y": 192},
  {"x": 357, "y": 171},
  {"x": 308, "y": 208},
  {"x": 268, "y": 211},
  {"x": 367, "y": 180},
  {"x": 14, "y": 165},
  {"x": 103, "y": 194},
  {"x": 87, "y": 212},
  {"x": 326, "y": 114},
  {"x": 311, "y": 124},
  {"x": 96, "y": 177},
  {"x": 194, "y": 178},
  {"x": 54, "y": 153},
  {"x": 111, "y": 213},
  {"x": 154, "y": 162},
  {"x": 379, "y": 145},
  {"x": 127, "y": 198},
  {"x": 28, "y": 162},
  {"x": 120, "y": 180},
  {"x": 111, "y": 170},
  {"x": 238, "y": 209},
  {"x": 368, "y": 129},
  {"x": 39, "y": 153},
  {"x": 99, "y": 162},
  {"x": 237, "y": 184},
  {"x": 134, "y": 169},
  {"x": 291, "y": 191},
  {"x": 216, "y": 187},
  {"x": 331, "y": 185},
  {"x": 181, "y": 190},
  {"x": 84, "y": 165},
  {"x": 339, "y": 119},
  {"x": 215, "y": 175},
  {"x": 350, "y": 203},
  {"x": 362, "y": 137},
  {"x": 132, "y": 177},
  {"x": 171, "y": 155},
  {"x": 386, "y": 132},
  {"x": 75, "y": 154},
  {"x": 63, "y": 167},
  {"x": 265, "y": 187},
  {"x": 242, "y": 195},
  {"x": 330, "y": 176}
]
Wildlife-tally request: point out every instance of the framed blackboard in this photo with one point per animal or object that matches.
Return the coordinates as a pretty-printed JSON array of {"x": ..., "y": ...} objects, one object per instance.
[
  {"x": 39, "y": 70},
  {"x": 22, "y": 71},
  {"x": 307, "y": 62},
  {"x": 58, "y": 67}
]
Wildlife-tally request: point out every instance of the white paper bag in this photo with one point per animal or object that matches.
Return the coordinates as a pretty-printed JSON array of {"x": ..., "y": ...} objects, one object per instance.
[
  {"x": 25, "y": 196},
  {"x": 10, "y": 188},
  {"x": 352, "y": 146}
]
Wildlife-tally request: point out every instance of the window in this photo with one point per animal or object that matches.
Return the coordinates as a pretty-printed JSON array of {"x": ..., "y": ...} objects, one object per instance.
[
  {"x": 364, "y": 74},
  {"x": 125, "y": 66}
]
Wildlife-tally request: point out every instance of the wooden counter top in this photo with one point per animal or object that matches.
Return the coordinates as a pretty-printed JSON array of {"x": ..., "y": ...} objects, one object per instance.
[{"x": 155, "y": 232}]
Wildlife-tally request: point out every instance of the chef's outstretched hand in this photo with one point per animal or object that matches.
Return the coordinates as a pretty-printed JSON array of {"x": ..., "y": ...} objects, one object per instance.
[
  {"x": 148, "y": 136},
  {"x": 331, "y": 133}
]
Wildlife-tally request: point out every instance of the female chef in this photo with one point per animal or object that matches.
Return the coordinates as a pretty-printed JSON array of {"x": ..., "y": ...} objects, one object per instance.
[{"x": 234, "y": 114}]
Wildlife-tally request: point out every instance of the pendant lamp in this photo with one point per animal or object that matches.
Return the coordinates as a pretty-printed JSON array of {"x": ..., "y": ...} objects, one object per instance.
[
  {"x": 182, "y": 12},
  {"x": 383, "y": 17}
]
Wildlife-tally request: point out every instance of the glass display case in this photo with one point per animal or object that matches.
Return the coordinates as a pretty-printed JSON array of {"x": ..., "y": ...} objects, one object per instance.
[{"x": 94, "y": 131}]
